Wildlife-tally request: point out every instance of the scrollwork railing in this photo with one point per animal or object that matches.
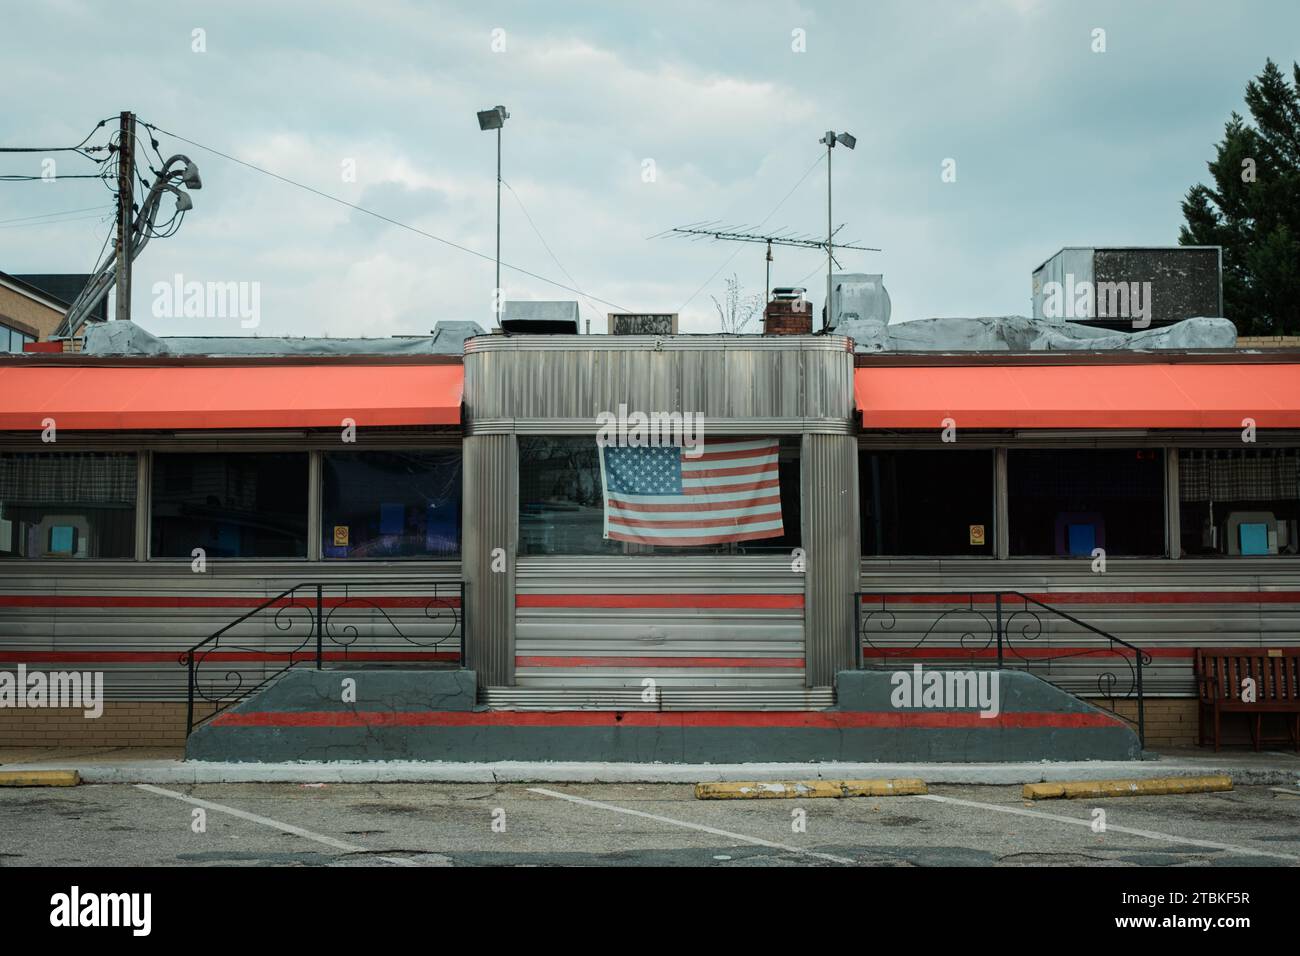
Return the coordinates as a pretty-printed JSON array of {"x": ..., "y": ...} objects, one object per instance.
[
  {"x": 1008, "y": 623},
  {"x": 322, "y": 621}
]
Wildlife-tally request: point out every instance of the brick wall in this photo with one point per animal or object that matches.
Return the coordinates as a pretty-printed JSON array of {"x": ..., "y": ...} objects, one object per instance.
[
  {"x": 787, "y": 317},
  {"x": 1171, "y": 721},
  {"x": 123, "y": 724},
  {"x": 27, "y": 314}
]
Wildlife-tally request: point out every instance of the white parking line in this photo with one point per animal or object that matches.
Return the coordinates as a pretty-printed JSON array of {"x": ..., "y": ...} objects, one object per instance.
[
  {"x": 274, "y": 824},
  {"x": 1148, "y": 834},
  {"x": 691, "y": 826}
]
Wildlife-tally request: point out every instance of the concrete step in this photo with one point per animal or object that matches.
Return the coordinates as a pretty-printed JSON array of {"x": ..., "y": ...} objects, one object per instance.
[{"x": 434, "y": 715}]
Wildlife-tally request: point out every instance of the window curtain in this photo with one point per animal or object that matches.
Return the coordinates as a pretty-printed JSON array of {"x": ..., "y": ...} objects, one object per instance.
[
  {"x": 68, "y": 478},
  {"x": 1238, "y": 474}
]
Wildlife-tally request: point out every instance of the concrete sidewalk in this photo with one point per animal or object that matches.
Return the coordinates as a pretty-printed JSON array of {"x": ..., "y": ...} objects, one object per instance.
[{"x": 131, "y": 766}]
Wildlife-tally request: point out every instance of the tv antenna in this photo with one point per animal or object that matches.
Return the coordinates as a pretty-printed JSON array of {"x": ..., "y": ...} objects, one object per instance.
[{"x": 782, "y": 237}]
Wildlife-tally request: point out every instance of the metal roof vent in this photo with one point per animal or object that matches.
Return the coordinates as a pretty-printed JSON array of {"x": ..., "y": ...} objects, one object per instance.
[{"x": 540, "y": 318}]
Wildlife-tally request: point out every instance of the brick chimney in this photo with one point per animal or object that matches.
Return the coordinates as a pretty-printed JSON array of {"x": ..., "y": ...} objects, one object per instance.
[{"x": 789, "y": 313}]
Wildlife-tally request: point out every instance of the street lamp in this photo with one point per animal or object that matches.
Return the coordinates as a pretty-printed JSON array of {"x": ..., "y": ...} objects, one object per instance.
[
  {"x": 495, "y": 118},
  {"x": 830, "y": 139}
]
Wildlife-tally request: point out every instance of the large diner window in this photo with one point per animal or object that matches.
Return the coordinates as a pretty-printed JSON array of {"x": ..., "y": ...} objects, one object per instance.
[
  {"x": 926, "y": 502},
  {"x": 1239, "y": 501},
  {"x": 562, "y": 503},
  {"x": 237, "y": 505},
  {"x": 391, "y": 504},
  {"x": 1068, "y": 502},
  {"x": 67, "y": 505}
]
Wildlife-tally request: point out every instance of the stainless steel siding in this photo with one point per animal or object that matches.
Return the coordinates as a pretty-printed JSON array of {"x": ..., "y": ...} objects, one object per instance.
[
  {"x": 537, "y": 382},
  {"x": 829, "y": 480},
  {"x": 594, "y": 639},
  {"x": 50, "y": 618},
  {"x": 1139, "y": 601},
  {"x": 491, "y": 496}
]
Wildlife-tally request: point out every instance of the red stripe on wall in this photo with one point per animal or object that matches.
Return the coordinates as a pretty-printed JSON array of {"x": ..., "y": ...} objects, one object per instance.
[
  {"x": 809, "y": 720},
  {"x": 162, "y": 601},
  {"x": 649, "y": 600},
  {"x": 174, "y": 657},
  {"x": 686, "y": 600},
  {"x": 1099, "y": 597},
  {"x": 1021, "y": 652},
  {"x": 659, "y": 662}
]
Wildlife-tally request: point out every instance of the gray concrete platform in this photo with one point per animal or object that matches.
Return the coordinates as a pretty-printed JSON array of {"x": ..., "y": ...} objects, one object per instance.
[{"x": 123, "y": 766}]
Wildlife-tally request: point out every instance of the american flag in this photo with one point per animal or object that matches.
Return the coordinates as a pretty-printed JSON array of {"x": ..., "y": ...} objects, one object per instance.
[{"x": 730, "y": 492}]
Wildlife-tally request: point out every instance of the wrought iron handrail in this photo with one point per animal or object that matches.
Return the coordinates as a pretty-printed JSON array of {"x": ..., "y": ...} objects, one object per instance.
[
  {"x": 321, "y": 628},
  {"x": 998, "y": 634}
]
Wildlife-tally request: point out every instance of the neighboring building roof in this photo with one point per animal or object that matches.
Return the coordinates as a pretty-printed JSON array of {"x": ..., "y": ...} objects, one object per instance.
[
  {"x": 65, "y": 287},
  {"x": 24, "y": 287},
  {"x": 127, "y": 338}
]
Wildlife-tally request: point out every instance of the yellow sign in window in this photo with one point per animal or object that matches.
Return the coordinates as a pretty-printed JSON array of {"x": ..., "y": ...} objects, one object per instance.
[
  {"x": 340, "y": 535},
  {"x": 976, "y": 535}
]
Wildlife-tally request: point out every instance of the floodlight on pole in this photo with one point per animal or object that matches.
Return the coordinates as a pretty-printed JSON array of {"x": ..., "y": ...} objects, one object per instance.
[
  {"x": 495, "y": 118},
  {"x": 830, "y": 140}
]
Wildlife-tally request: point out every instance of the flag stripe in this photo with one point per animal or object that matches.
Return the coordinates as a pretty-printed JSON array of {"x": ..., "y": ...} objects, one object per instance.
[
  {"x": 623, "y": 503},
  {"x": 757, "y": 517},
  {"x": 687, "y": 542}
]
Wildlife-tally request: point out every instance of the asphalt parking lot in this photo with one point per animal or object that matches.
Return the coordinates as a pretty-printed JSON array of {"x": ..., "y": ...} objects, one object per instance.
[{"x": 631, "y": 825}]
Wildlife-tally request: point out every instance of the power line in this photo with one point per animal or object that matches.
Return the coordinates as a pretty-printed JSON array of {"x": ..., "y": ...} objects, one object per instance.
[
  {"x": 56, "y": 222},
  {"x": 43, "y": 215},
  {"x": 383, "y": 218},
  {"x": 545, "y": 244}
]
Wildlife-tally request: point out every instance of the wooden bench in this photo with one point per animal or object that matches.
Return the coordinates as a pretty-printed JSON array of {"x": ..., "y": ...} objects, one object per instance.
[{"x": 1220, "y": 674}]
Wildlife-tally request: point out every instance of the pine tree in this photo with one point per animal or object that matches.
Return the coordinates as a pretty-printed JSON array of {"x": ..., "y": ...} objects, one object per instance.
[{"x": 1253, "y": 208}]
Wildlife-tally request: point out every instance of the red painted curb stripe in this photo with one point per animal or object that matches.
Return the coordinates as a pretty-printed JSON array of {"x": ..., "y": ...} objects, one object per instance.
[
  {"x": 1010, "y": 654},
  {"x": 809, "y": 720},
  {"x": 684, "y": 600},
  {"x": 174, "y": 657},
  {"x": 659, "y": 662},
  {"x": 159, "y": 601},
  {"x": 1010, "y": 603}
]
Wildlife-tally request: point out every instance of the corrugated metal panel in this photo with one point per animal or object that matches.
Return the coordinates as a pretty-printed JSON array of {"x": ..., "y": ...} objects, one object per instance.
[
  {"x": 145, "y": 616},
  {"x": 692, "y": 622},
  {"x": 1165, "y": 607},
  {"x": 491, "y": 497},
  {"x": 831, "y": 539},
  {"x": 1075, "y": 262},
  {"x": 532, "y": 381}
]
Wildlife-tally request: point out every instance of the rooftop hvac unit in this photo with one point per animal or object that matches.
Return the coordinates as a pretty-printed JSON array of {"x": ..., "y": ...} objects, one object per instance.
[
  {"x": 642, "y": 323},
  {"x": 1129, "y": 287},
  {"x": 859, "y": 297},
  {"x": 546, "y": 318}
]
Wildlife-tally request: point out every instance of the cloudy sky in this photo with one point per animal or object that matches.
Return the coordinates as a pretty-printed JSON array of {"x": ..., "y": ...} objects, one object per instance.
[{"x": 1054, "y": 144}]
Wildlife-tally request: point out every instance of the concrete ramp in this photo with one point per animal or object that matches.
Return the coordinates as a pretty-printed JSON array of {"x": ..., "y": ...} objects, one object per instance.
[{"x": 382, "y": 714}]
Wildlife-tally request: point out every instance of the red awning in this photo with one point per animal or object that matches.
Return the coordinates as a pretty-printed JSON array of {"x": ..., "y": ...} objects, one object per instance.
[
  {"x": 1174, "y": 395},
  {"x": 254, "y": 396}
]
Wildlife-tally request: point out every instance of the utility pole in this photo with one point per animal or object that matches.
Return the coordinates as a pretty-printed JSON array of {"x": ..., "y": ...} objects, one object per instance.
[{"x": 125, "y": 180}]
